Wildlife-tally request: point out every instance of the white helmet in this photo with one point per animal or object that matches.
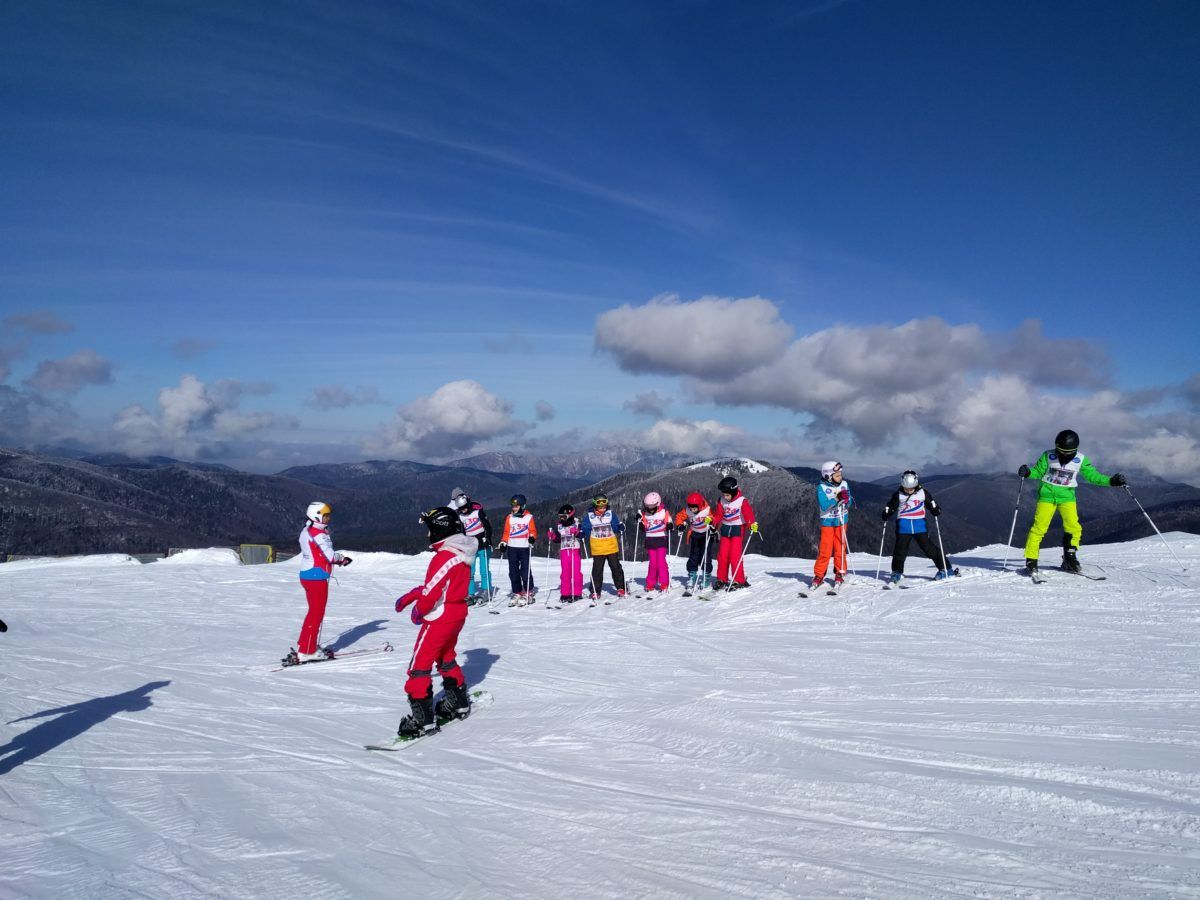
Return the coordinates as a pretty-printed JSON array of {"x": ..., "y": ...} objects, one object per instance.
[
  {"x": 909, "y": 480},
  {"x": 652, "y": 499},
  {"x": 459, "y": 498},
  {"x": 319, "y": 512},
  {"x": 828, "y": 468}
]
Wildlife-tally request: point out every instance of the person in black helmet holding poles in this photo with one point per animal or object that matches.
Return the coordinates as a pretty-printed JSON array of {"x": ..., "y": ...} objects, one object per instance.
[{"x": 1059, "y": 471}]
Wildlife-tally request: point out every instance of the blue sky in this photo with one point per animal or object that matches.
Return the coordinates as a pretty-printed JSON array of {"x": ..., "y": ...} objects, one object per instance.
[{"x": 274, "y": 235}]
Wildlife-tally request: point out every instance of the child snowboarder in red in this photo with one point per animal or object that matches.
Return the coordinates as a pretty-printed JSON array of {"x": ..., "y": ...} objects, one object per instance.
[{"x": 440, "y": 608}]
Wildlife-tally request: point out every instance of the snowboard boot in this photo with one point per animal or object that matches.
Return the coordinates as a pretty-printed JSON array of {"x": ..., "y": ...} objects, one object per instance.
[
  {"x": 420, "y": 722},
  {"x": 456, "y": 704}
]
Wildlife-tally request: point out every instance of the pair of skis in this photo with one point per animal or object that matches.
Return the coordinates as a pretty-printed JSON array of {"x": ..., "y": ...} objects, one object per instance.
[
  {"x": 1037, "y": 577},
  {"x": 331, "y": 657}
]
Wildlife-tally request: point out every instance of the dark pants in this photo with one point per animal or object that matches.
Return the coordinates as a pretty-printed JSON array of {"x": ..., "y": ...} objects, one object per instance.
[
  {"x": 696, "y": 553},
  {"x": 614, "y": 564},
  {"x": 519, "y": 575},
  {"x": 900, "y": 554}
]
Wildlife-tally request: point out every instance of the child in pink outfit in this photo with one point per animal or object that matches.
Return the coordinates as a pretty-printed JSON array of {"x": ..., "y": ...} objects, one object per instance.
[
  {"x": 567, "y": 534},
  {"x": 656, "y": 522}
]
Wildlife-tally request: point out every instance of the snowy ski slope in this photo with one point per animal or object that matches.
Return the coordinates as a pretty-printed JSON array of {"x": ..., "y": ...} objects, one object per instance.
[{"x": 985, "y": 737}]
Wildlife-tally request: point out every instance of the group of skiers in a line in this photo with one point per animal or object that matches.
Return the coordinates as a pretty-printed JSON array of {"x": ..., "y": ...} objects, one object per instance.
[
  {"x": 461, "y": 539},
  {"x": 709, "y": 531}
]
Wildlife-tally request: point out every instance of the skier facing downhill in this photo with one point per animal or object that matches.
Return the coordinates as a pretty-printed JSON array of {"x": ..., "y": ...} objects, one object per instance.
[
  {"x": 1059, "y": 471},
  {"x": 440, "y": 608},
  {"x": 910, "y": 504},
  {"x": 520, "y": 531},
  {"x": 834, "y": 500},
  {"x": 696, "y": 517},
  {"x": 569, "y": 536},
  {"x": 602, "y": 529},
  {"x": 731, "y": 514},
  {"x": 655, "y": 522},
  {"x": 317, "y": 561},
  {"x": 477, "y": 525}
]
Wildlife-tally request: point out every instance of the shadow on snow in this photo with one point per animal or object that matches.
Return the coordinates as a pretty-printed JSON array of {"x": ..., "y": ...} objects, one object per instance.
[{"x": 72, "y": 721}]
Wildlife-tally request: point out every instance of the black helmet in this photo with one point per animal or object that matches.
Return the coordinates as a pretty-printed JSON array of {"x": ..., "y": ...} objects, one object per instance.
[
  {"x": 1066, "y": 442},
  {"x": 728, "y": 485},
  {"x": 566, "y": 511},
  {"x": 517, "y": 500},
  {"x": 442, "y": 522}
]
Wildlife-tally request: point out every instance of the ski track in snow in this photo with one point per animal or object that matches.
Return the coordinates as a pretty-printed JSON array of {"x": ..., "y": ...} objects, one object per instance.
[{"x": 985, "y": 737}]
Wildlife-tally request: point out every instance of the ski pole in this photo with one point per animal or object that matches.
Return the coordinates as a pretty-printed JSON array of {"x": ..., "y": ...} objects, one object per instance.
[
  {"x": 547, "y": 581},
  {"x": 945, "y": 562},
  {"x": 1013, "y": 530},
  {"x": 1155, "y": 527},
  {"x": 882, "y": 538}
]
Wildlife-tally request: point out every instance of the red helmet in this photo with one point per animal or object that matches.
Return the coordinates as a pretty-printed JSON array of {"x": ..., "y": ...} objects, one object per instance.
[{"x": 695, "y": 499}]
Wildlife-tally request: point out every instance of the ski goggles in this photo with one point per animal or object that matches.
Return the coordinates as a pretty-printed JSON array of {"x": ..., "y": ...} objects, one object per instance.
[{"x": 599, "y": 503}]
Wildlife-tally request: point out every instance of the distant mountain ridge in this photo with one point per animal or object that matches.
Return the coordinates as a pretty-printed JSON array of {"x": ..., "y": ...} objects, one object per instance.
[{"x": 57, "y": 506}]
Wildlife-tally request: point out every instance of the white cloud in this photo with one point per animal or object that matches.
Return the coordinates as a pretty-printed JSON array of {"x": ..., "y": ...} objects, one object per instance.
[
  {"x": 684, "y": 436},
  {"x": 191, "y": 415},
  {"x": 71, "y": 374},
  {"x": 709, "y": 337},
  {"x": 454, "y": 418},
  {"x": 981, "y": 399}
]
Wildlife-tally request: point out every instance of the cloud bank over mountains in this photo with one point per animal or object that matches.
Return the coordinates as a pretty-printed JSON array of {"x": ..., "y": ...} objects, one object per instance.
[{"x": 925, "y": 390}]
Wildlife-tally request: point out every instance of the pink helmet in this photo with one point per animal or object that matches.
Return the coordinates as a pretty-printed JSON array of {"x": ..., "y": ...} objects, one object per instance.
[{"x": 652, "y": 499}]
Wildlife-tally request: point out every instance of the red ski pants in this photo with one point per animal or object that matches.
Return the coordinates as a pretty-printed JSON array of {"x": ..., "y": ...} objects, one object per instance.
[
  {"x": 833, "y": 546},
  {"x": 729, "y": 554},
  {"x": 435, "y": 648},
  {"x": 317, "y": 594}
]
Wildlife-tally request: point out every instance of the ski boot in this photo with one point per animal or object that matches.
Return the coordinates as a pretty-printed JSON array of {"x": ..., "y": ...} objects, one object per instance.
[
  {"x": 319, "y": 655},
  {"x": 421, "y": 721},
  {"x": 941, "y": 575},
  {"x": 1031, "y": 567},
  {"x": 1070, "y": 562},
  {"x": 719, "y": 585},
  {"x": 816, "y": 583},
  {"x": 620, "y": 593},
  {"x": 456, "y": 704},
  {"x": 838, "y": 582},
  {"x": 896, "y": 576}
]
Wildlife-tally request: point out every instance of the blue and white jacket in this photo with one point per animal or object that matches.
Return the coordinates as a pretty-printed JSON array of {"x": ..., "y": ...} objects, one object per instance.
[
  {"x": 833, "y": 511},
  {"x": 910, "y": 510}
]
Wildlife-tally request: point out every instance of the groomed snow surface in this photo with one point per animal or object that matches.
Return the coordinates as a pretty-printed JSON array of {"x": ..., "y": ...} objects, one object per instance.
[{"x": 985, "y": 737}]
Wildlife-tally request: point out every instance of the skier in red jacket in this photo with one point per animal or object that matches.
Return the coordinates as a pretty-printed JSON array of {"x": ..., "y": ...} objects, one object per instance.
[
  {"x": 731, "y": 516},
  {"x": 440, "y": 608}
]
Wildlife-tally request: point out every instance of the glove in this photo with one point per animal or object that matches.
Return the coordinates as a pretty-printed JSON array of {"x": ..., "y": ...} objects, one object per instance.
[
  {"x": 502, "y": 546},
  {"x": 1023, "y": 471},
  {"x": 934, "y": 509},
  {"x": 708, "y": 520},
  {"x": 345, "y": 561},
  {"x": 417, "y": 618},
  {"x": 844, "y": 495},
  {"x": 1117, "y": 480},
  {"x": 754, "y": 528},
  {"x": 887, "y": 514}
]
